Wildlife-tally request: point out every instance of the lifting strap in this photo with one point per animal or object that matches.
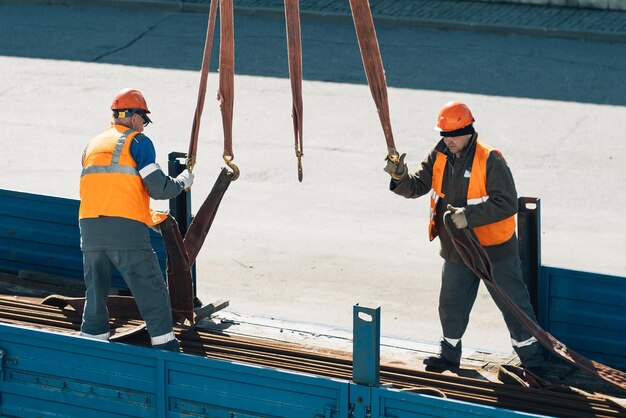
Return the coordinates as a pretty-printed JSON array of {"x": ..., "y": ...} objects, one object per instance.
[
  {"x": 204, "y": 73},
  {"x": 178, "y": 270},
  {"x": 199, "y": 228},
  {"x": 476, "y": 258},
  {"x": 182, "y": 252},
  {"x": 203, "y": 220},
  {"x": 225, "y": 92},
  {"x": 294, "y": 48},
  {"x": 373, "y": 65}
]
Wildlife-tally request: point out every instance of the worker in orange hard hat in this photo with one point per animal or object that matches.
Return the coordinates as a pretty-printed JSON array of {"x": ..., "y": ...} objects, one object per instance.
[
  {"x": 473, "y": 181},
  {"x": 129, "y": 102},
  {"x": 119, "y": 176}
]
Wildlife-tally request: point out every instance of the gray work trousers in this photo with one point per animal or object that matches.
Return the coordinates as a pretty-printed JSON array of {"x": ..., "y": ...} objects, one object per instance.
[
  {"x": 141, "y": 272},
  {"x": 459, "y": 287}
]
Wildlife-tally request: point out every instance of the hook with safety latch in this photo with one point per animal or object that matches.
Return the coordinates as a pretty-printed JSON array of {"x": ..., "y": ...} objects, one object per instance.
[{"x": 234, "y": 174}]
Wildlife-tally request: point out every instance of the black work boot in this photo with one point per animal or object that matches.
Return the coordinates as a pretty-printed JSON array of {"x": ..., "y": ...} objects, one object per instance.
[
  {"x": 438, "y": 364},
  {"x": 172, "y": 345}
]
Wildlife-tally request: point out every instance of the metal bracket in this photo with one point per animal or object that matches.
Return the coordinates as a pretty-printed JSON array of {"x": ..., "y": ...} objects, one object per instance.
[
  {"x": 180, "y": 206},
  {"x": 366, "y": 346},
  {"x": 360, "y": 401},
  {"x": 529, "y": 239}
]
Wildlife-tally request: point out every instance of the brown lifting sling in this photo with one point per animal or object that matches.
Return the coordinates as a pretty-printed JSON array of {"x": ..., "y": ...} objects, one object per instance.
[
  {"x": 182, "y": 253},
  {"x": 373, "y": 65},
  {"x": 476, "y": 258},
  {"x": 204, "y": 74},
  {"x": 294, "y": 48}
]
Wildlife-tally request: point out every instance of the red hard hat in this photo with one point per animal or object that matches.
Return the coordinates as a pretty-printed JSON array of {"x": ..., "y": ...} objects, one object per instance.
[
  {"x": 129, "y": 99},
  {"x": 454, "y": 116}
]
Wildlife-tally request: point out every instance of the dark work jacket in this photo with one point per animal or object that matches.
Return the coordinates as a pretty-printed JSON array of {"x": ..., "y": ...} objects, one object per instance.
[{"x": 501, "y": 204}]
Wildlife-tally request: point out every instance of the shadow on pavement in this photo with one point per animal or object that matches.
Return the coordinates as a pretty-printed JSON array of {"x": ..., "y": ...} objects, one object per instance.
[{"x": 469, "y": 62}]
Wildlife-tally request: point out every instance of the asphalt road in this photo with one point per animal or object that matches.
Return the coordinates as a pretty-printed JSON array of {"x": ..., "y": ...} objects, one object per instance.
[{"x": 554, "y": 107}]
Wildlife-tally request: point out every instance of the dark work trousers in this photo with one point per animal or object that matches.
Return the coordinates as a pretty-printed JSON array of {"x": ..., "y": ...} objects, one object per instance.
[
  {"x": 459, "y": 286},
  {"x": 141, "y": 272}
]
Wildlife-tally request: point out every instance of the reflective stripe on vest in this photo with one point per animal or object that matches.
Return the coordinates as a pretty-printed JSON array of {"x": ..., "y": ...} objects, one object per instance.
[
  {"x": 490, "y": 234},
  {"x": 123, "y": 169},
  {"x": 436, "y": 193},
  {"x": 110, "y": 184}
]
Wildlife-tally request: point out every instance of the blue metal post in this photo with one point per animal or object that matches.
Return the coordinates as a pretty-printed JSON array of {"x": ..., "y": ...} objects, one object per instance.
[
  {"x": 529, "y": 237},
  {"x": 366, "y": 346}
]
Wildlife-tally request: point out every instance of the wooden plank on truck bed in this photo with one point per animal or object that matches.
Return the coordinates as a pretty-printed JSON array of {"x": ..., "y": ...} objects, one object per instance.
[{"x": 210, "y": 309}]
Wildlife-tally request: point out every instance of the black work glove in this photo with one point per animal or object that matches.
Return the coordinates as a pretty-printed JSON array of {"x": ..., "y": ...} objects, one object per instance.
[{"x": 397, "y": 170}]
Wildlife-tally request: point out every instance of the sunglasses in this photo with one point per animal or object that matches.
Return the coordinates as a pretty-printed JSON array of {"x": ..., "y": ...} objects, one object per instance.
[{"x": 144, "y": 116}]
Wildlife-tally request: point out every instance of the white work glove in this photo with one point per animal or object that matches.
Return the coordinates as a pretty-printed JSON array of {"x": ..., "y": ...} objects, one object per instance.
[
  {"x": 458, "y": 217},
  {"x": 398, "y": 170},
  {"x": 187, "y": 178}
]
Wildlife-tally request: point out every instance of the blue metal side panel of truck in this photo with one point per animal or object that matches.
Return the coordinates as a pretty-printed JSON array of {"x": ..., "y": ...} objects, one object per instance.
[
  {"x": 587, "y": 311},
  {"x": 40, "y": 233},
  {"x": 58, "y": 375},
  {"x": 61, "y": 375},
  {"x": 389, "y": 403},
  {"x": 218, "y": 388}
]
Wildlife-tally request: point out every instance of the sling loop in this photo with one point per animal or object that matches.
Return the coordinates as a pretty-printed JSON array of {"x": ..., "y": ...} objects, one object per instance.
[
  {"x": 182, "y": 252},
  {"x": 201, "y": 223},
  {"x": 178, "y": 270},
  {"x": 204, "y": 73},
  {"x": 225, "y": 92},
  {"x": 373, "y": 65},
  {"x": 294, "y": 48},
  {"x": 477, "y": 260}
]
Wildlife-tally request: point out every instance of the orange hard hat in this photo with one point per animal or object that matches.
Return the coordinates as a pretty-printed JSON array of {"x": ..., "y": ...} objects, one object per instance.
[
  {"x": 129, "y": 99},
  {"x": 454, "y": 116}
]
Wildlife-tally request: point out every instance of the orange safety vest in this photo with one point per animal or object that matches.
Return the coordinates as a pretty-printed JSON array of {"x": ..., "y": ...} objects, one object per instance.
[
  {"x": 490, "y": 234},
  {"x": 110, "y": 184}
]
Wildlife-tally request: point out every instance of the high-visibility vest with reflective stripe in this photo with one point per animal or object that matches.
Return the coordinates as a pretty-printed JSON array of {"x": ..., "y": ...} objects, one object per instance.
[
  {"x": 490, "y": 234},
  {"x": 110, "y": 184}
]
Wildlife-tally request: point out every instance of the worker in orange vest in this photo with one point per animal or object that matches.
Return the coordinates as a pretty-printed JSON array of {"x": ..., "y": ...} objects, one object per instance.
[
  {"x": 119, "y": 176},
  {"x": 473, "y": 180}
]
